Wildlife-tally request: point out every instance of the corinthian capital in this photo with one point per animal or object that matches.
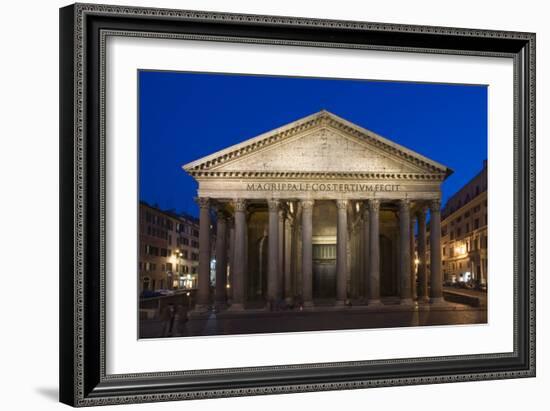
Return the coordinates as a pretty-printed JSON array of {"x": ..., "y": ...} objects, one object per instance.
[
  {"x": 239, "y": 204},
  {"x": 273, "y": 204},
  {"x": 404, "y": 205},
  {"x": 341, "y": 204},
  {"x": 435, "y": 205},
  {"x": 374, "y": 205},
  {"x": 203, "y": 202},
  {"x": 306, "y": 204}
]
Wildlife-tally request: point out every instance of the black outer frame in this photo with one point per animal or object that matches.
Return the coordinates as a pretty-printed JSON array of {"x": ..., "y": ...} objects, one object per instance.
[{"x": 82, "y": 374}]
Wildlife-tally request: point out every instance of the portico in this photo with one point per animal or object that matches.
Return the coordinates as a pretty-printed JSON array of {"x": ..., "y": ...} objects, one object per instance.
[{"x": 319, "y": 210}]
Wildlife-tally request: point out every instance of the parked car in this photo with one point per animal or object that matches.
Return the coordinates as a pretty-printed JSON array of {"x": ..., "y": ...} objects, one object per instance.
[{"x": 166, "y": 292}]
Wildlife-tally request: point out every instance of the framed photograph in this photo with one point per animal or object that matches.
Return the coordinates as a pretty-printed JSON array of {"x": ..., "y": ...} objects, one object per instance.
[{"x": 262, "y": 204}]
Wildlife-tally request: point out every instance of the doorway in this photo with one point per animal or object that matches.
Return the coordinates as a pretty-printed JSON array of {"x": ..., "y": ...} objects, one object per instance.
[{"x": 324, "y": 271}]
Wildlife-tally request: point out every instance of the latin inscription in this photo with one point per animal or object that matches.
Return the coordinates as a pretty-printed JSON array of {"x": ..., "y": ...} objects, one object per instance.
[{"x": 323, "y": 187}]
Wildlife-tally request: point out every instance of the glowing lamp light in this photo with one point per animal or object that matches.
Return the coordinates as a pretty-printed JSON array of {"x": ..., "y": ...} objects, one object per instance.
[{"x": 416, "y": 261}]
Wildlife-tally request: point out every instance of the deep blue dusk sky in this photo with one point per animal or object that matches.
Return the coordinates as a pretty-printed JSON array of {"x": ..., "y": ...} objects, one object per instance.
[{"x": 185, "y": 116}]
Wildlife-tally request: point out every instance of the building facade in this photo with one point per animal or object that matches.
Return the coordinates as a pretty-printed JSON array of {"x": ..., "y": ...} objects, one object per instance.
[
  {"x": 168, "y": 249},
  {"x": 464, "y": 233},
  {"x": 318, "y": 210}
]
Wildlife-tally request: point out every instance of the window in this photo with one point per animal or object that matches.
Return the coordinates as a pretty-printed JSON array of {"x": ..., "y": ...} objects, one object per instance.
[
  {"x": 168, "y": 266},
  {"x": 194, "y": 256},
  {"x": 185, "y": 269},
  {"x": 476, "y": 223},
  {"x": 163, "y": 252},
  {"x": 458, "y": 232},
  {"x": 146, "y": 283},
  {"x": 195, "y": 244},
  {"x": 195, "y": 233},
  {"x": 467, "y": 227},
  {"x": 150, "y": 250},
  {"x": 185, "y": 254}
]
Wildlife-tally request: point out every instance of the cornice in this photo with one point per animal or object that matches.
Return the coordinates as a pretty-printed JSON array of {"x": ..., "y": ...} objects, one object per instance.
[{"x": 295, "y": 175}]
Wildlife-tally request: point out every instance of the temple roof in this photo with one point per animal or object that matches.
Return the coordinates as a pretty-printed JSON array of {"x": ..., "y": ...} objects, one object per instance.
[{"x": 321, "y": 143}]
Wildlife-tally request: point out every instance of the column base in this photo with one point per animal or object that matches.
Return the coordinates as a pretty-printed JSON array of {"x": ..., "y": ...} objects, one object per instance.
[
  {"x": 424, "y": 300},
  {"x": 375, "y": 302},
  {"x": 308, "y": 304},
  {"x": 221, "y": 305},
  {"x": 437, "y": 300},
  {"x": 235, "y": 307},
  {"x": 406, "y": 302},
  {"x": 289, "y": 300},
  {"x": 270, "y": 306},
  {"x": 200, "y": 310},
  {"x": 340, "y": 303}
]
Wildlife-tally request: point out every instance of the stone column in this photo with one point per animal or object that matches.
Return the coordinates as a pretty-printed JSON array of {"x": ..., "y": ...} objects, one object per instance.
[
  {"x": 231, "y": 258},
  {"x": 281, "y": 254},
  {"x": 374, "y": 253},
  {"x": 414, "y": 291},
  {"x": 307, "y": 252},
  {"x": 422, "y": 277},
  {"x": 221, "y": 259},
  {"x": 288, "y": 261},
  {"x": 405, "y": 252},
  {"x": 295, "y": 253},
  {"x": 273, "y": 252},
  {"x": 341, "y": 251},
  {"x": 365, "y": 250},
  {"x": 436, "y": 282},
  {"x": 203, "y": 292},
  {"x": 239, "y": 255}
]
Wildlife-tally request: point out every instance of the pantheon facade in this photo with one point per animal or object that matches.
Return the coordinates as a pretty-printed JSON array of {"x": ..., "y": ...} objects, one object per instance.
[{"x": 319, "y": 210}]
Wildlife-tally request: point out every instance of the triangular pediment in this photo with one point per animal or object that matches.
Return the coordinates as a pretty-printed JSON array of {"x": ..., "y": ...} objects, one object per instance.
[{"x": 317, "y": 144}]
